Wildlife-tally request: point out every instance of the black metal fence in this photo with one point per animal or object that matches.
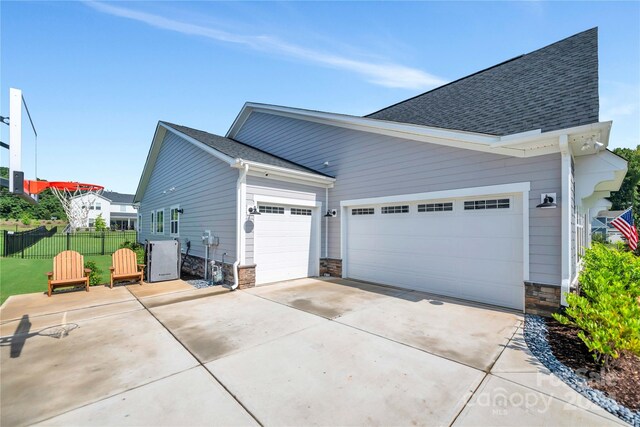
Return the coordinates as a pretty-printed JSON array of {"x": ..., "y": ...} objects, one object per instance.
[{"x": 43, "y": 243}]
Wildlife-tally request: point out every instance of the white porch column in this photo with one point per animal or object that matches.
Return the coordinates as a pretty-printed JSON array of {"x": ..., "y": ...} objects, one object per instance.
[{"x": 565, "y": 229}]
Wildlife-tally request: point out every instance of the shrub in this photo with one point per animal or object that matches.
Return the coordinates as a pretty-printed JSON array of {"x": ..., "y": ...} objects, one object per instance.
[
  {"x": 607, "y": 308},
  {"x": 598, "y": 238},
  {"x": 135, "y": 247},
  {"x": 100, "y": 224},
  {"x": 25, "y": 218},
  {"x": 95, "y": 277}
]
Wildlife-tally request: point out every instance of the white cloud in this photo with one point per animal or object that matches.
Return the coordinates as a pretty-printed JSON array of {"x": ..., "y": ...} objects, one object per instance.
[{"x": 383, "y": 74}]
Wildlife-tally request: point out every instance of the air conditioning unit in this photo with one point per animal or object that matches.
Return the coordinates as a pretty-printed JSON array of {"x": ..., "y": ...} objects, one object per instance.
[{"x": 163, "y": 260}]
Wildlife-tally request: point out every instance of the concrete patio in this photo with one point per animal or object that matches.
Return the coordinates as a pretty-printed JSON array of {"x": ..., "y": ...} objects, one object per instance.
[{"x": 320, "y": 352}]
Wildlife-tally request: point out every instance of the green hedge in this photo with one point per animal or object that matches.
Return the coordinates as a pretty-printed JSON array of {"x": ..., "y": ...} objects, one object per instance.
[{"x": 607, "y": 307}]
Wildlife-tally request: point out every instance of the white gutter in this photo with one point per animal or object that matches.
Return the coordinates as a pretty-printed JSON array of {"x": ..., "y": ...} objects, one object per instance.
[
  {"x": 286, "y": 172},
  {"x": 240, "y": 186},
  {"x": 326, "y": 225},
  {"x": 565, "y": 217}
]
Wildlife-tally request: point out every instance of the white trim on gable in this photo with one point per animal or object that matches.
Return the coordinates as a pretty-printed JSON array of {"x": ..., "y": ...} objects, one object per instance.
[
  {"x": 276, "y": 172},
  {"x": 525, "y": 144}
]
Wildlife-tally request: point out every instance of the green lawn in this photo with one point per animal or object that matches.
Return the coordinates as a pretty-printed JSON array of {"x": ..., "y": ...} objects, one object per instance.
[{"x": 23, "y": 276}]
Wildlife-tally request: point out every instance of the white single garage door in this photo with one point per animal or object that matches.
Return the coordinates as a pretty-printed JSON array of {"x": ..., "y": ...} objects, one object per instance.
[
  {"x": 469, "y": 248},
  {"x": 285, "y": 243}
]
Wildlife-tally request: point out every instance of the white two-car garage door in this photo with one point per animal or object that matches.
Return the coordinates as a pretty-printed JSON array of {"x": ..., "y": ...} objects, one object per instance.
[
  {"x": 470, "y": 248},
  {"x": 286, "y": 242}
]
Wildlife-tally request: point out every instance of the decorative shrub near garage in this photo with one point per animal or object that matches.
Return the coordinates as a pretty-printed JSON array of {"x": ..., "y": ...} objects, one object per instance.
[
  {"x": 135, "y": 247},
  {"x": 607, "y": 307}
]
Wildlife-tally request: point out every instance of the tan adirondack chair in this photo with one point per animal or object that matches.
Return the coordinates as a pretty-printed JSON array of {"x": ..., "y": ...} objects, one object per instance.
[
  {"x": 68, "y": 270},
  {"x": 125, "y": 266}
]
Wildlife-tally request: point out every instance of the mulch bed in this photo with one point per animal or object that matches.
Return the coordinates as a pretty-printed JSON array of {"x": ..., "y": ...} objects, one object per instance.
[{"x": 620, "y": 382}]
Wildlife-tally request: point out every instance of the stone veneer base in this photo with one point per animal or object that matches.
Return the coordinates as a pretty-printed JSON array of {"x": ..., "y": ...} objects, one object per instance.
[
  {"x": 541, "y": 299},
  {"x": 331, "y": 266}
]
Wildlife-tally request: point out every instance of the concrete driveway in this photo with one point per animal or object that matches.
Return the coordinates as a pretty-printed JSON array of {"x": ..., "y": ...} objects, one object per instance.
[{"x": 306, "y": 352}]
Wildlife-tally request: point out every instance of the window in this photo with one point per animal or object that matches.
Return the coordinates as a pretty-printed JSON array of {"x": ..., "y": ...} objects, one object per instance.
[
  {"x": 395, "y": 209},
  {"x": 362, "y": 211},
  {"x": 123, "y": 208},
  {"x": 271, "y": 209},
  {"x": 297, "y": 211},
  {"x": 153, "y": 223},
  {"x": 475, "y": 205},
  {"x": 436, "y": 207},
  {"x": 160, "y": 221},
  {"x": 98, "y": 206},
  {"x": 174, "y": 221}
]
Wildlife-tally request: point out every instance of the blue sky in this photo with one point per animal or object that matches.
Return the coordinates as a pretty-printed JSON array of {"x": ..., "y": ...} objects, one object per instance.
[{"x": 98, "y": 76}]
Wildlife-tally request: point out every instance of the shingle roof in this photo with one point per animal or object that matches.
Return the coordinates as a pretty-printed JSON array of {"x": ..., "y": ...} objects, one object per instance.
[
  {"x": 118, "y": 197},
  {"x": 237, "y": 149},
  {"x": 551, "y": 88}
]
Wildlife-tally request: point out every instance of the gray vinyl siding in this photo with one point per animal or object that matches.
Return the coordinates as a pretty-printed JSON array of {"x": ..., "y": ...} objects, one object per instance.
[
  {"x": 372, "y": 165},
  {"x": 274, "y": 188},
  {"x": 205, "y": 188}
]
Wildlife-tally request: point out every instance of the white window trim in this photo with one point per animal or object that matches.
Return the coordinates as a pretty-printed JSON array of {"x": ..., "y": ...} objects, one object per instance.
[
  {"x": 157, "y": 222},
  {"x": 171, "y": 220},
  {"x": 487, "y": 191}
]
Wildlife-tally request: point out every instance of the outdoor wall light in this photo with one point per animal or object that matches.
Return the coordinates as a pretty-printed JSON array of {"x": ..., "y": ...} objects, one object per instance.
[
  {"x": 331, "y": 213},
  {"x": 254, "y": 211},
  {"x": 548, "y": 201},
  {"x": 180, "y": 211}
]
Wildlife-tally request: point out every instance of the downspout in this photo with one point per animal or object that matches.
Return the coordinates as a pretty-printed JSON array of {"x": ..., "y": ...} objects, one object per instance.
[
  {"x": 326, "y": 226},
  {"x": 239, "y": 214},
  {"x": 565, "y": 220}
]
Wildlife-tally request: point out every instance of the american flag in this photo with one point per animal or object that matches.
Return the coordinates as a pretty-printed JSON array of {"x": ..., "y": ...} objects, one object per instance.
[{"x": 624, "y": 223}]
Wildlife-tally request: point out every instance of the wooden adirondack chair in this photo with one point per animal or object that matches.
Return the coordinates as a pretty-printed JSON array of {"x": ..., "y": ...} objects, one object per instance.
[
  {"x": 68, "y": 270},
  {"x": 125, "y": 266}
]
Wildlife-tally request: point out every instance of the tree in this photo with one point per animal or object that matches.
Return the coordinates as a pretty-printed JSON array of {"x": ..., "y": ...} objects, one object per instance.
[
  {"x": 12, "y": 206},
  {"x": 629, "y": 193},
  {"x": 100, "y": 224}
]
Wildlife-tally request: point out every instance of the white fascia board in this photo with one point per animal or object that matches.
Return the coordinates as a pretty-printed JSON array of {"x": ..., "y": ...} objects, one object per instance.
[
  {"x": 516, "y": 187},
  {"x": 456, "y": 139},
  {"x": 538, "y": 136},
  {"x": 201, "y": 145},
  {"x": 277, "y": 172},
  {"x": 509, "y": 145}
]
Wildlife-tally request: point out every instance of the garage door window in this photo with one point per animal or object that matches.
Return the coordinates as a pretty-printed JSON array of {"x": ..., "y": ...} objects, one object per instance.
[
  {"x": 395, "y": 209},
  {"x": 271, "y": 209},
  {"x": 298, "y": 211},
  {"x": 362, "y": 211},
  {"x": 475, "y": 205},
  {"x": 436, "y": 207}
]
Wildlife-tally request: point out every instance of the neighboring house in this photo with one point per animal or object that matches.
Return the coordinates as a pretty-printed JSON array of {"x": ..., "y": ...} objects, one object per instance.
[
  {"x": 601, "y": 225},
  {"x": 438, "y": 193},
  {"x": 117, "y": 210}
]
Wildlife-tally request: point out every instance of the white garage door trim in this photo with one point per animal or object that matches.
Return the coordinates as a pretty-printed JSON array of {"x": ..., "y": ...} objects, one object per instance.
[
  {"x": 315, "y": 206},
  {"x": 518, "y": 187}
]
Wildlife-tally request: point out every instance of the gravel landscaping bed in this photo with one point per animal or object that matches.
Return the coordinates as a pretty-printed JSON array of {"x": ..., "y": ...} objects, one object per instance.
[
  {"x": 536, "y": 337},
  {"x": 199, "y": 283}
]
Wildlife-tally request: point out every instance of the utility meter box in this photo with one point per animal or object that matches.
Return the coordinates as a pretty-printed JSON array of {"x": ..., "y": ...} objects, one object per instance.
[
  {"x": 209, "y": 239},
  {"x": 163, "y": 260}
]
